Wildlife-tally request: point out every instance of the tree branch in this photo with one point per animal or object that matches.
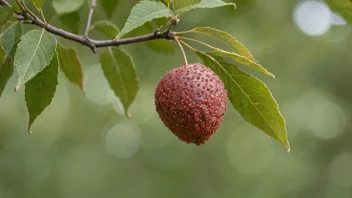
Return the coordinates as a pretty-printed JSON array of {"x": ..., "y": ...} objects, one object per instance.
[
  {"x": 91, "y": 12},
  {"x": 5, "y": 3},
  {"x": 91, "y": 43}
]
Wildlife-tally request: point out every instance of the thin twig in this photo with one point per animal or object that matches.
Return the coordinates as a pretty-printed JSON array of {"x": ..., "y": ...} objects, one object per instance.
[
  {"x": 92, "y": 44},
  {"x": 20, "y": 5},
  {"x": 5, "y": 3},
  {"x": 182, "y": 50},
  {"x": 91, "y": 12},
  {"x": 24, "y": 8}
]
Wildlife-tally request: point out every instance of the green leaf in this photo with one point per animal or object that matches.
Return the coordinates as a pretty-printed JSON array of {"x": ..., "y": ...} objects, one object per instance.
[
  {"x": 33, "y": 54},
  {"x": 107, "y": 28},
  {"x": 38, "y": 4},
  {"x": 185, "y": 5},
  {"x": 71, "y": 21},
  {"x": 179, "y": 4},
  {"x": 70, "y": 65},
  {"x": 5, "y": 14},
  {"x": 143, "y": 12},
  {"x": 6, "y": 68},
  {"x": 161, "y": 46},
  {"x": 109, "y": 6},
  {"x": 41, "y": 89},
  {"x": 67, "y": 6},
  {"x": 344, "y": 7},
  {"x": 168, "y": 1},
  {"x": 226, "y": 38},
  {"x": 9, "y": 38},
  {"x": 242, "y": 60},
  {"x": 10, "y": 35},
  {"x": 120, "y": 72},
  {"x": 250, "y": 97},
  {"x": 2, "y": 55}
]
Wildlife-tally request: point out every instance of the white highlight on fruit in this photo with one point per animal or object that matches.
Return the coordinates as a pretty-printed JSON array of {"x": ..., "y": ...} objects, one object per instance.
[
  {"x": 123, "y": 140},
  {"x": 341, "y": 170},
  {"x": 313, "y": 17}
]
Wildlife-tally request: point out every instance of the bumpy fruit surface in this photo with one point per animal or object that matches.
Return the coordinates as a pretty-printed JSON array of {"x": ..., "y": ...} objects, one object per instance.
[{"x": 191, "y": 101}]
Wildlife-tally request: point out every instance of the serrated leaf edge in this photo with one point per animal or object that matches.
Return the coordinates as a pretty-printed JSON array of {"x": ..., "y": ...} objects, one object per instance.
[
  {"x": 285, "y": 142},
  {"x": 18, "y": 86}
]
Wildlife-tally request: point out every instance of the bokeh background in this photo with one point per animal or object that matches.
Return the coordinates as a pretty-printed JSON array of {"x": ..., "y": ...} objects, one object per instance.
[{"x": 83, "y": 146}]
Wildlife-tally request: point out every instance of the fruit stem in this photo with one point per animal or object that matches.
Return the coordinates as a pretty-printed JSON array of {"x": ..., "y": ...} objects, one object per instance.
[{"x": 182, "y": 50}]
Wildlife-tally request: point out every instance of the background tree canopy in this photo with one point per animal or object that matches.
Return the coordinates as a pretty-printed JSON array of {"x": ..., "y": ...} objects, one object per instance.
[{"x": 84, "y": 146}]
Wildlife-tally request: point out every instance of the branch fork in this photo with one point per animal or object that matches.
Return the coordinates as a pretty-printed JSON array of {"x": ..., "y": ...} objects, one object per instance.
[{"x": 26, "y": 15}]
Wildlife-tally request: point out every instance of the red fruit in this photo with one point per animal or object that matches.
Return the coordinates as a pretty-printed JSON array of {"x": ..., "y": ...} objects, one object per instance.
[{"x": 191, "y": 101}]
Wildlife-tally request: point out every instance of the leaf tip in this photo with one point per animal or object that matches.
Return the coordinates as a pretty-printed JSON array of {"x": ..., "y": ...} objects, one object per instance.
[
  {"x": 17, "y": 88},
  {"x": 128, "y": 115},
  {"x": 287, "y": 145},
  {"x": 29, "y": 128},
  {"x": 270, "y": 74},
  {"x": 82, "y": 89}
]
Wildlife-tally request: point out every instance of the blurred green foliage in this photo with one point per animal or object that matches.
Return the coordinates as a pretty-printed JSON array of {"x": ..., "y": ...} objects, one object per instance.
[{"x": 83, "y": 146}]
